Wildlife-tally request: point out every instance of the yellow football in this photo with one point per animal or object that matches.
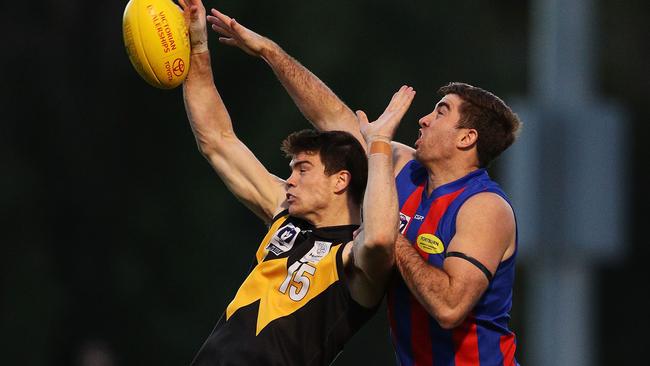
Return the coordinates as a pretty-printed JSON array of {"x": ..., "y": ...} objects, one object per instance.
[{"x": 157, "y": 41}]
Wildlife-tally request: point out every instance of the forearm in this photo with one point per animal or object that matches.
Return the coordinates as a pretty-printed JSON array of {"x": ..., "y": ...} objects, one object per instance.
[
  {"x": 431, "y": 286},
  {"x": 205, "y": 109},
  {"x": 316, "y": 101},
  {"x": 380, "y": 211},
  {"x": 373, "y": 248}
]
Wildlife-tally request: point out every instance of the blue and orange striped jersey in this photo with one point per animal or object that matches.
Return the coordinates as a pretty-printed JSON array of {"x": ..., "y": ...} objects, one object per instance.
[{"x": 430, "y": 223}]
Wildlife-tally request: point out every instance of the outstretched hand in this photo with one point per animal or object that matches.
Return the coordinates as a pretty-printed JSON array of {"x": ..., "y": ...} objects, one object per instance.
[
  {"x": 386, "y": 125},
  {"x": 194, "y": 14},
  {"x": 235, "y": 34}
]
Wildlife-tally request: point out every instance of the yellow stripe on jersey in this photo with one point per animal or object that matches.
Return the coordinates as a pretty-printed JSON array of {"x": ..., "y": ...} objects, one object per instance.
[
  {"x": 282, "y": 290},
  {"x": 262, "y": 251}
]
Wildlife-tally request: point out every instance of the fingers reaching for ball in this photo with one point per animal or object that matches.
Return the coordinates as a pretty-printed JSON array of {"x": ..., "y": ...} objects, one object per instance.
[
  {"x": 233, "y": 33},
  {"x": 386, "y": 125}
]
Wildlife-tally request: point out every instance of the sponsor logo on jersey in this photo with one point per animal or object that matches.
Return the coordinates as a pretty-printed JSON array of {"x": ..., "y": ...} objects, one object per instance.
[
  {"x": 430, "y": 243},
  {"x": 403, "y": 222},
  {"x": 418, "y": 217},
  {"x": 283, "y": 239}
]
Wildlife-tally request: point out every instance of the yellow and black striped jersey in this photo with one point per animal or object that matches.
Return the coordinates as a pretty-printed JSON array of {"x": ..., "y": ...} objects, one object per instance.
[{"x": 294, "y": 308}]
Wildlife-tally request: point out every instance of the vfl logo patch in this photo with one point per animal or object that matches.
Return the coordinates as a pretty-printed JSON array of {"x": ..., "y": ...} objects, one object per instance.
[
  {"x": 403, "y": 222},
  {"x": 283, "y": 239},
  {"x": 430, "y": 244}
]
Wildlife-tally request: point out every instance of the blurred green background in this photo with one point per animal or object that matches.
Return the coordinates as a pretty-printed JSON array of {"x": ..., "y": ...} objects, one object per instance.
[{"x": 120, "y": 245}]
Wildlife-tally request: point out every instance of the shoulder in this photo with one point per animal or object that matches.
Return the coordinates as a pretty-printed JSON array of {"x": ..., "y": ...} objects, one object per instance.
[
  {"x": 487, "y": 214},
  {"x": 280, "y": 205},
  {"x": 486, "y": 205},
  {"x": 282, "y": 214},
  {"x": 485, "y": 229}
]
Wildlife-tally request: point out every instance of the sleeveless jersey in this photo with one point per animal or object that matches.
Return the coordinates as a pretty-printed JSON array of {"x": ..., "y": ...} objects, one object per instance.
[
  {"x": 294, "y": 308},
  {"x": 430, "y": 223}
]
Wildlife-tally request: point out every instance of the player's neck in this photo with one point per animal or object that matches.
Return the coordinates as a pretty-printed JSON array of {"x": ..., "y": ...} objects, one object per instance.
[
  {"x": 441, "y": 173},
  {"x": 337, "y": 214}
]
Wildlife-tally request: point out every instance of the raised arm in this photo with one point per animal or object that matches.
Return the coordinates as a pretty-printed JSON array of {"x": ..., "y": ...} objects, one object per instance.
[
  {"x": 239, "y": 169},
  {"x": 316, "y": 101},
  {"x": 372, "y": 250}
]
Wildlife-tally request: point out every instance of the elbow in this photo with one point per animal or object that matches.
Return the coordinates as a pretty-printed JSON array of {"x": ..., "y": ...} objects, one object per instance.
[
  {"x": 211, "y": 145},
  {"x": 337, "y": 117},
  {"x": 381, "y": 241},
  {"x": 342, "y": 111},
  {"x": 207, "y": 150},
  {"x": 450, "y": 318},
  {"x": 381, "y": 236}
]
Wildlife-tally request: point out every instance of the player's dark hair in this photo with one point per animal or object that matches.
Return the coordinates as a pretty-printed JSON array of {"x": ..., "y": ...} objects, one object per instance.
[
  {"x": 497, "y": 125},
  {"x": 338, "y": 151}
]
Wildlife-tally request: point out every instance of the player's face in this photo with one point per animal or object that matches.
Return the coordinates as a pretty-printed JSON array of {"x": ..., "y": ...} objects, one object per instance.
[
  {"x": 438, "y": 130},
  {"x": 309, "y": 189}
]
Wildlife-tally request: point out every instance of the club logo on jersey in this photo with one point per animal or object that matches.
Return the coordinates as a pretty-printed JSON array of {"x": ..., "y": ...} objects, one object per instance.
[
  {"x": 283, "y": 239},
  {"x": 317, "y": 252},
  {"x": 430, "y": 243},
  {"x": 403, "y": 222}
]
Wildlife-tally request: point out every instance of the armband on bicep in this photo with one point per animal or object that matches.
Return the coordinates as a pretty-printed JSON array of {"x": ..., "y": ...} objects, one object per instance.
[{"x": 473, "y": 261}]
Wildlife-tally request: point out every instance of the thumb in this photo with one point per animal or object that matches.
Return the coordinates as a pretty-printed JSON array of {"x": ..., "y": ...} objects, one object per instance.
[
  {"x": 361, "y": 116},
  {"x": 194, "y": 13},
  {"x": 228, "y": 41},
  {"x": 357, "y": 232}
]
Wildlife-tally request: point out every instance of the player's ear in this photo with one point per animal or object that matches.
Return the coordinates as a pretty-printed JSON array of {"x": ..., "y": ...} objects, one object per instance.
[
  {"x": 342, "y": 181},
  {"x": 468, "y": 138}
]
